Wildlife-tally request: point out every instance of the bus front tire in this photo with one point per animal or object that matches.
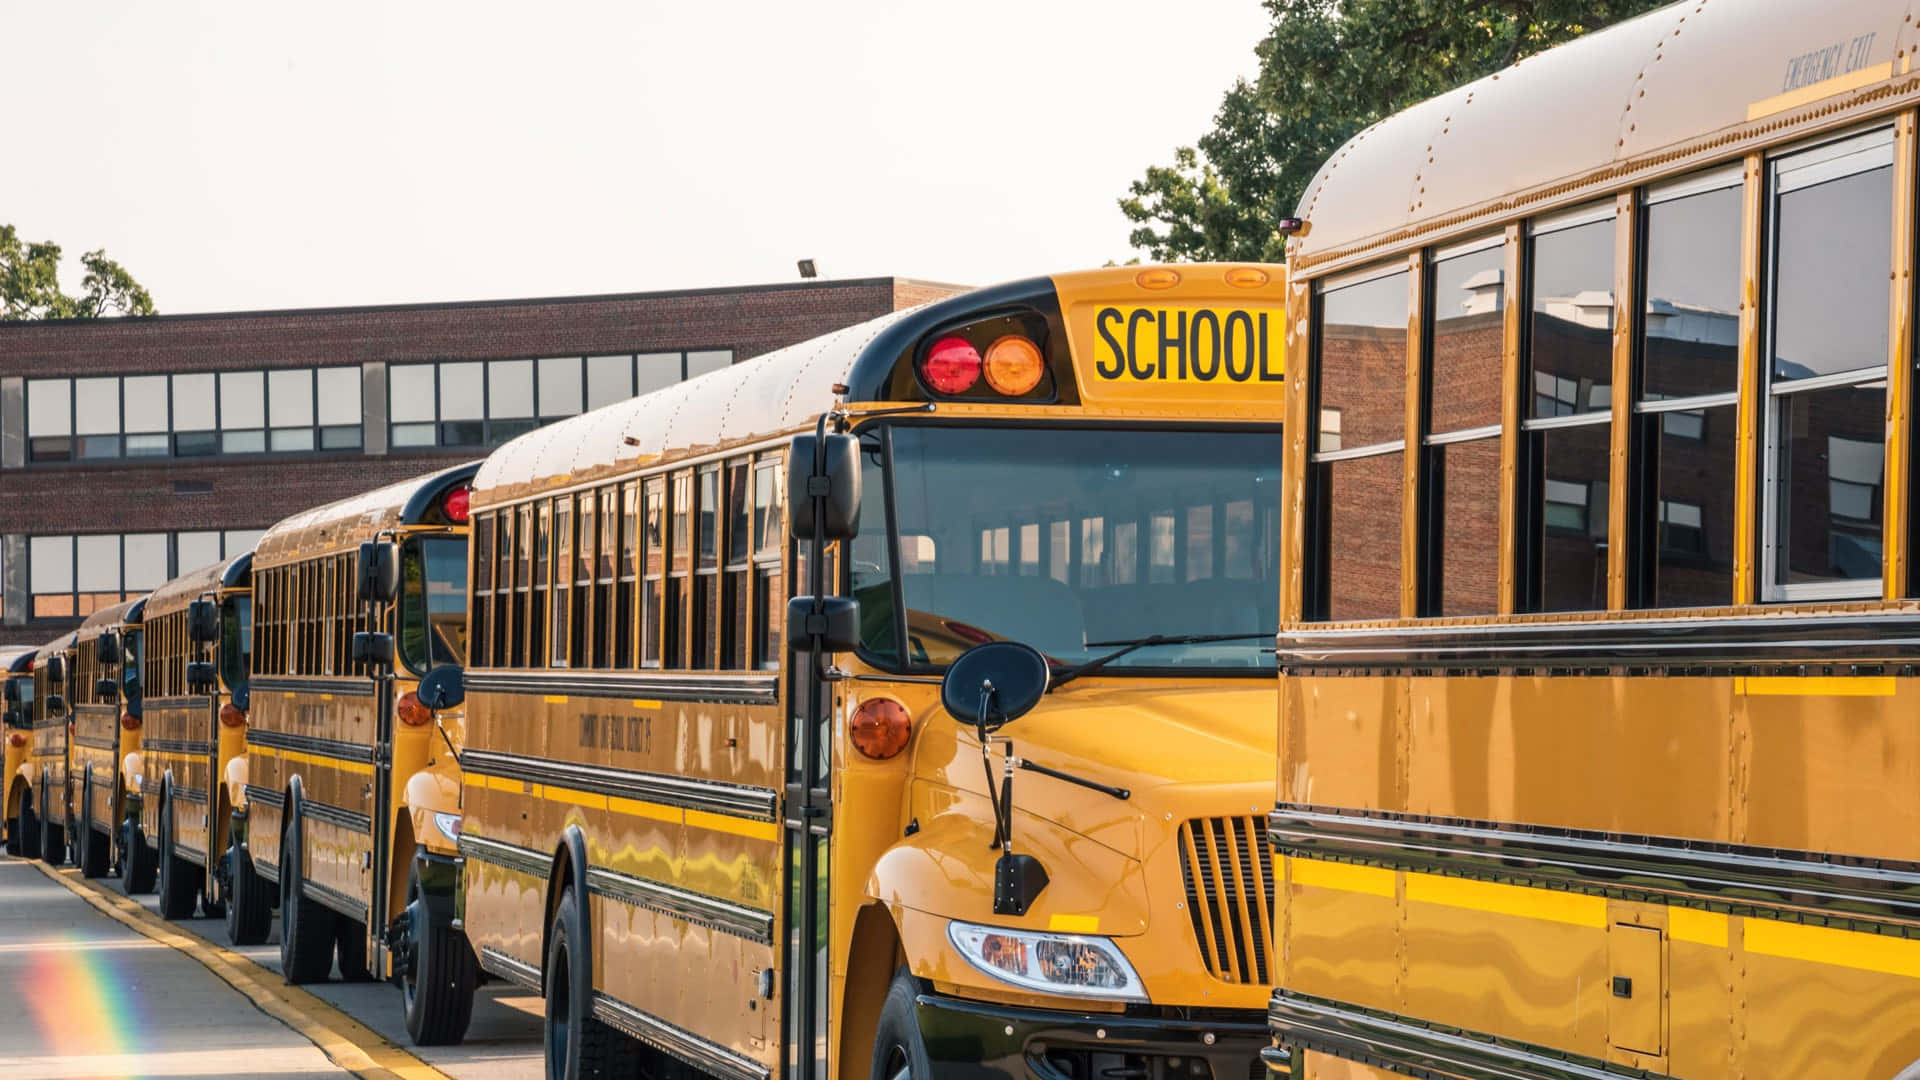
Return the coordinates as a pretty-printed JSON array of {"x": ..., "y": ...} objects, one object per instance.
[
  {"x": 899, "y": 1053},
  {"x": 579, "y": 1047},
  {"x": 437, "y": 989},
  {"x": 53, "y": 838},
  {"x": 306, "y": 926},
  {"x": 138, "y": 867},
  {"x": 179, "y": 879},
  {"x": 94, "y": 849},
  {"x": 26, "y": 829},
  {"x": 250, "y": 908},
  {"x": 350, "y": 943}
]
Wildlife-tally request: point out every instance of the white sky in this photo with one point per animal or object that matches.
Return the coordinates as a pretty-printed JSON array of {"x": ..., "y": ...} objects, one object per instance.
[{"x": 250, "y": 155}]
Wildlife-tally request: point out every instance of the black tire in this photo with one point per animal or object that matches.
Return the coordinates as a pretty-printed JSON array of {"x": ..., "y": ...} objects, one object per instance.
[
  {"x": 306, "y": 925},
  {"x": 26, "y": 829},
  {"x": 350, "y": 945},
  {"x": 179, "y": 879},
  {"x": 899, "y": 1052},
  {"x": 53, "y": 838},
  {"x": 250, "y": 908},
  {"x": 13, "y": 832},
  {"x": 96, "y": 851},
  {"x": 578, "y": 1047},
  {"x": 139, "y": 868},
  {"x": 437, "y": 990}
]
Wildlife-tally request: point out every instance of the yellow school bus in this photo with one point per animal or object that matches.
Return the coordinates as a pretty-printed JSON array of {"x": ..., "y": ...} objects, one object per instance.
[
  {"x": 198, "y": 644},
  {"x": 352, "y": 787},
  {"x": 106, "y": 733},
  {"x": 1597, "y": 753},
  {"x": 17, "y": 664},
  {"x": 46, "y": 804},
  {"x": 715, "y": 856}
]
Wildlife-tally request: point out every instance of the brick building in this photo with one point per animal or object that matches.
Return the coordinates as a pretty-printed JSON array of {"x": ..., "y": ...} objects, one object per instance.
[{"x": 132, "y": 450}]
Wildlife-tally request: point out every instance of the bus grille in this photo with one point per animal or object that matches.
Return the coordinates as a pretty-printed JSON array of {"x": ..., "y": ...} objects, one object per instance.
[{"x": 1228, "y": 874}]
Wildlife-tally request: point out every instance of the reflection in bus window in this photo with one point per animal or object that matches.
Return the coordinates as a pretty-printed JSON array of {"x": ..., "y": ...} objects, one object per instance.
[
  {"x": 970, "y": 504},
  {"x": 236, "y": 641},
  {"x": 433, "y": 612}
]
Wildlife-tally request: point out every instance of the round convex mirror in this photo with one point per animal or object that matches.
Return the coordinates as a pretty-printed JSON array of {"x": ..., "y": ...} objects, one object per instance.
[
  {"x": 1017, "y": 674},
  {"x": 442, "y": 688}
]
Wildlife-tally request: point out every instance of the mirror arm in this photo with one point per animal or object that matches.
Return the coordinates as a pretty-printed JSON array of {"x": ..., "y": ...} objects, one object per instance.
[
  {"x": 836, "y": 673},
  {"x": 448, "y": 739}
]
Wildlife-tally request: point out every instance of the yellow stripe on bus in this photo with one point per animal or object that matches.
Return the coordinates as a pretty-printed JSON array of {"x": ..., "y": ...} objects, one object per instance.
[
  {"x": 1698, "y": 927},
  {"x": 1342, "y": 876},
  {"x": 643, "y": 703},
  {"x": 1814, "y": 685},
  {"x": 360, "y": 767},
  {"x": 553, "y": 699},
  {"x": 752, "y": 830},
  {"x": 672, "y": 815},
  {"x": 1842, "y": 948},
  {"x": 1576, "y": 909}
]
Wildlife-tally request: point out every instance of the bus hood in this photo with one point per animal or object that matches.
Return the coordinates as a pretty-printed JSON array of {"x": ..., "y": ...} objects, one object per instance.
[{"x": 1181, "y": 749}]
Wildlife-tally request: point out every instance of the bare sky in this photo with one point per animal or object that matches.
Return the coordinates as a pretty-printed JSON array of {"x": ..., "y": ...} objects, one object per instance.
[{"x": 249, "y": 155}]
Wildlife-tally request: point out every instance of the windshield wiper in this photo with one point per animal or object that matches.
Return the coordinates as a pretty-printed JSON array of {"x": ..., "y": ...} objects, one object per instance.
[{"x": 1131, "y": 645}]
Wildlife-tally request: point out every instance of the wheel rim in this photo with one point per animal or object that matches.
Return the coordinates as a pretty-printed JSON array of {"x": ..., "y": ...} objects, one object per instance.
[
  {"x": 410, "y": 982},
  {"x": 898, "y": 1067},
  {"x": 289, "y": 909},
  {"x": 559, "y": 1013}
]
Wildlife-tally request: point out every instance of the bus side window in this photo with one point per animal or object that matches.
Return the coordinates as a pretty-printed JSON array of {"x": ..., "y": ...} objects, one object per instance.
[
  {"x": 734, "y": 599},
  {"x": 480, "y": 599},
  {"x": 769, "y": 540},
  {"x": 627, "y": 572}
]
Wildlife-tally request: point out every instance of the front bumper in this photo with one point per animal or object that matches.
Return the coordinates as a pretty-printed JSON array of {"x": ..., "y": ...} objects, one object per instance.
[{"x": 971, "y": 1040}]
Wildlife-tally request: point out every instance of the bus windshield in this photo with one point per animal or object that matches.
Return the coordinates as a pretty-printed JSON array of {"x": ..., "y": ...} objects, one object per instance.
[
  {"x": 433, "y": 603},
  {"x": 236, "y": 641},
  {"x": 1073, "y": 540}
]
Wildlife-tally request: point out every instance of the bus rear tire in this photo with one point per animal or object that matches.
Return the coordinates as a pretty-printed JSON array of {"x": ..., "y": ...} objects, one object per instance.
[
  {"x": 437, "y": 990},
  {"x": 579, "y": 1047},
  {"x": 899, "y": 1053},
  {"x": 53, "y": 838},
  {"x": 138, "y": 867},
  {"x": 179, "y": 879},
  {"x": 306, "y": 926},
  {"x": 250, "y": 908},
  {"x": 26, "y": 830},
  {"x": 350, "y": 944},
  {"x": 94, "y": 849}
]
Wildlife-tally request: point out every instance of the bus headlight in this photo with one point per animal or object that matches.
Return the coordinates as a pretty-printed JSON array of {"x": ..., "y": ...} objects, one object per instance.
[
  {"x": 1077, "y": 964},
  {"x": 449, "y": 826}
]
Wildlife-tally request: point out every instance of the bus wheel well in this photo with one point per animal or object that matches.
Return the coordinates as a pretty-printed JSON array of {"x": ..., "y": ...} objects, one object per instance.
[
  {"x": 569, "y": 868},
  {"x": 401, "y": 867},
  {"x": 872, "y": 958}
]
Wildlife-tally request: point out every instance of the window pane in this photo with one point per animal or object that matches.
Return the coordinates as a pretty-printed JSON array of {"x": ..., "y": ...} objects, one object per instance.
[
  {"x": 51, "y": 560},
  {"x": 290, "y": 398},
  {"x": 146, "y": 403},
  {"x": 410, "y": 392},
  {"x": 146, "y": 446},
  {"x": 510, "y": 389},
  {"x": 146, "y": 560},
  {"x": 658, "y": 370},
  {"x": 193, "y": 402},
  {"x": 767, "y": 523},
  {"x": 340, "y": 402},
  {"x": 699, "y": 363},
  {"x": 97, "y": 563},
  {"x": 1363, "y": 363},
  {"x": 1571, "y": 361},
  {"x": 1361, "y": 537},
  {"x": 1468, "y": 337},
  {"x": 96, "y": 405},
  {"x": 738, "y": 535},
  {"x": 1692, "y": 334},
  {"x": 412, "y": 435},
  {"x": 291, "y": 439},
  {"x": 241, "y": 406},
  {"x": 340, "y": 438},
  {"x": 609, "y": 379},
  {"x": 1465, "y": 481},
  {"x": 1572, "y": 537},
  {"x": 461, "y": 390},
  {"x": 193, "y": 550},
  {"x": 196, "y": 444},
  {"x": 1827, "y": 484},
  {"x": 709, "y": 516},
  {"x": 243, "y": 442},
  {"x": 560, "y": 386},
  {"x": 1693, "y": 559},
  {"x": 463, "y": 433},
  {"x": 1832, "y": 251},
  {"x": 49, "y": 407}
]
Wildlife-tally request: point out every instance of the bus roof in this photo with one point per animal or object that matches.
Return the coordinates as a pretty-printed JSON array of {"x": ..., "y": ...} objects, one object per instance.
[
  {"x": 175, "y": 595},
  {"x": 343, "y": 525},
  {"x": 57, "y": 645},
  {"x": 18, "y": 659},
  {"x": 110, "y": 618},
  {"x": 1670, "y": 91}
]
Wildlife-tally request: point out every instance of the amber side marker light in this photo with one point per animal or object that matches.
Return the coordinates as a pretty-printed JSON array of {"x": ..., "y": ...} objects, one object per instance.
[
  {"x": 16, "y": 740},
  {"x": 1160, "y": 278},
  {"x": 1014, "y": 365},
  {"x": 880, "y": 728},
  {"x": 411, "y": 711},
  {"x": 232, "y": 716},
  {"x": 1245, "y": 277},
  {"x": 129, "y": 722}
]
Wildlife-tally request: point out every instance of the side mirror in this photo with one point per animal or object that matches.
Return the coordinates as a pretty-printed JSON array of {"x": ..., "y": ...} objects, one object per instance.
[
  {"x": 11, "y": 718},
  {"x": 13, "y": 691},
  {"x": 57, "y": 669},
  {"x": 201, "y": 676},
  {"x": 242, "y": 697},
  {"x": 995, "y": 683},
  {"x": 203, "y": 622},
  {"x": 56, "y": 705},
  {"x": 378, "y": 572},
  {"x": 373, "y": 648},
  {"x": 133, "y": 687},
  {"x": 835, "y": 629},
  {"x": 106, "y": 691},
  {"x": 106, "y": 648},
  {"x": 829, "y": 496},
  {"x": 443, "y": 688}
]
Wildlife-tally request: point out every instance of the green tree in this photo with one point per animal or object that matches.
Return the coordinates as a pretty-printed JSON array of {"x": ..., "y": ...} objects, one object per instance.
[
  {"x": 1328, "y": 69},
  {"x": 30, "y": 284}
]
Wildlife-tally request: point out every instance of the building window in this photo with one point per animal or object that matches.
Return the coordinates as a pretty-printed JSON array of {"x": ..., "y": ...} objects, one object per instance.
[
  {"x": 193, "y": 415},
  {"x": 72, "y": 576}
]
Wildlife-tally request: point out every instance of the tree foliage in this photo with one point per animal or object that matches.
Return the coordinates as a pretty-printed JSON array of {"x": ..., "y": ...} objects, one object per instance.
[
  {"x": 30, "y": 283},
  {"x": 1328, "y": 69}
]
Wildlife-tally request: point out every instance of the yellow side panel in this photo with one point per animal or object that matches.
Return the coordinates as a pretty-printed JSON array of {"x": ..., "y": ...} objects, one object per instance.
[
  {"x": 1323, "y": 1067},
  {"x": 1341, "y": 933},
  {"x": 1344, "y": 749},
  {"x": 1811, "y": 1020},
  {"x": 1836, "y": 772}
]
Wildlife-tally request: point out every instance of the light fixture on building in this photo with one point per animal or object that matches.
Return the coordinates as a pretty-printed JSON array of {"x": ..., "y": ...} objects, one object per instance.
[{"x": 808, "y": 270}]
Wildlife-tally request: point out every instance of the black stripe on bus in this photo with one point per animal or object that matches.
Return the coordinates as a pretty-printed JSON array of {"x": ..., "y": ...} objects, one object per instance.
[
  {"x": 308, "y": 685},
  {"x": 512, "y": 969},
  {"x": 718, "y": 688},
  {"x": 509, "y": 856},
  {"x": 311, "y": 744},
  {"x": 1737, "y": 878},
  {"x": 713, "y": 796},
  {"x": 93, "y": 742},
  {"x": 702, "y": 1053},
  {"x": 1763, "y": 644},
  {"x": 187, "y": 795},
  {"x": 191, "y": 747},
  {"x": 337, "y": 816},
  {"x": 195, "y": 701},
  {"x": 1405, "y": 1045},
  {"x": 265, "y": 796},
  {"x": 335, "y": 900}
]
